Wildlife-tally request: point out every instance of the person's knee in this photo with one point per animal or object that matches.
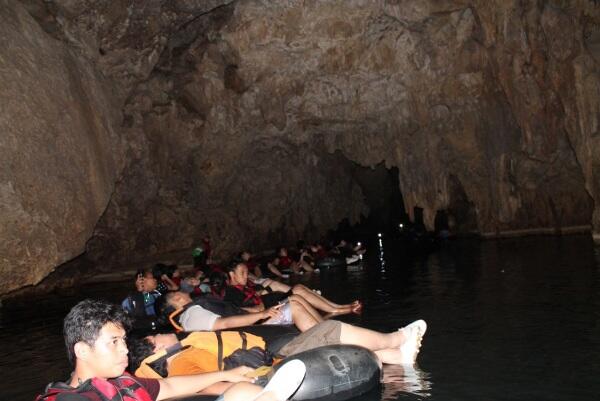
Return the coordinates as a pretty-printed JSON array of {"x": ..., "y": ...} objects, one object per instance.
[
  {"x": 241, "y": 392},
  {"x": 298, "y": 288}
]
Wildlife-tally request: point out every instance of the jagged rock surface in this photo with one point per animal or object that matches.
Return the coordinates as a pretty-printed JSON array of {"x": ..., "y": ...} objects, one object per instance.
[
  {"x": 59, "y": 152},
  {"x": 242, "y": 119}
]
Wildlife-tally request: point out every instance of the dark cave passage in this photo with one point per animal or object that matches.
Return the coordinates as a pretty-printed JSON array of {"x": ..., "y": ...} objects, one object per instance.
[{"x": 382, "y": 195}]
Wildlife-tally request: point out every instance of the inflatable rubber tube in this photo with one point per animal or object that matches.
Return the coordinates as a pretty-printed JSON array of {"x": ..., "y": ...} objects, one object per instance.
[
  {"x": 330, "y": 262},
  {"x": 333, "y": 373},
  {"x": 275, "y": 336},
  {"x": 336, "y": 373}
]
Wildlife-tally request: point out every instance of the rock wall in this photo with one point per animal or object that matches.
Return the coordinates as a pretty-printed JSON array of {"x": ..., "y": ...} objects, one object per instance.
[
  {"x": 245, "y": 119},
  {"x": 59, "y": 150}
]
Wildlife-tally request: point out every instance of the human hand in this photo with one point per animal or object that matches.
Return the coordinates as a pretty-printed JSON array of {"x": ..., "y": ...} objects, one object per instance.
[
  {"x": 273, "y": 312},
  {"x": 239, "y": 374},
  {"x": 139, "y": 283}
]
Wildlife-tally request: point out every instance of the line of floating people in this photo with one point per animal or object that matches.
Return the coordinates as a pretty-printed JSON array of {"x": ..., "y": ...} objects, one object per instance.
[{"x": 234, "y": 332}]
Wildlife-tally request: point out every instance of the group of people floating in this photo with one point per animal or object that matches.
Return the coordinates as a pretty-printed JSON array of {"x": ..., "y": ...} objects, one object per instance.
[{"x": 211, "y": 330}]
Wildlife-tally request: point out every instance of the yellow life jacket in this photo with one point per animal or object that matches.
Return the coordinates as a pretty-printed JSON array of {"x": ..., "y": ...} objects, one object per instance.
[{"x": 219, "y": 343}]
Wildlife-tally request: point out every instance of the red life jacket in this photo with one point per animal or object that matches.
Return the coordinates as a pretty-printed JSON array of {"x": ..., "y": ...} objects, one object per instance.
[
  {"x": 321, "y": 253},
  {"x": 251, "y": 297},
  {"x": 122, "y": 388},
  {"x": 285, "y": 261}
]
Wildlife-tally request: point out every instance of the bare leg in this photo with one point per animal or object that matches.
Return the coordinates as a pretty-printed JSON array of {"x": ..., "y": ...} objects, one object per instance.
[
  {"x": 315, "y": 300},
  {"x": 320, "y": 302},
  {"x": 371, "y": 339},
  {"x": 308, "y": 307},
  {"x": 303, "y": 319},
  {"x": 401, "y": 346},
  {"x": 275, "y": 270},
  {"x": 276, "y": 286},
  {"x": 217, "y": 388},
  {"x": 304, "y": 265},
  {"x": 244, "y": 392},
  {"x": 296, "y": 267},
  {"x": 392, "y": 356}
]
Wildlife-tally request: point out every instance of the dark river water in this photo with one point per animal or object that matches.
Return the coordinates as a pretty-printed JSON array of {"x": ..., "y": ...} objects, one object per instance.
[{"x": 511, "y": 319}]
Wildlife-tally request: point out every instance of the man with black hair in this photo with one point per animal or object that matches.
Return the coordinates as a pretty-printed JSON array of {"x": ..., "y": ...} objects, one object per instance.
[{"x": 94, "y": 333}]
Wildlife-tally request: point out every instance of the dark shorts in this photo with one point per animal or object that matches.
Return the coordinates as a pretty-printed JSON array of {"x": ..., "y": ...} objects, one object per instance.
[
  {"x": 325, "y": 333},
  {"x": 273, "y": 298}
]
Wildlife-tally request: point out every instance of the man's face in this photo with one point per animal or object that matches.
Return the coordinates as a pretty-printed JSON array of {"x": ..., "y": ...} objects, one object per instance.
[
  {"x": 180, "y": 299},
  {"x": 149, "y": 282},
  {"x": 162, "y": 341},
  {"x": 239, "y": 276},
  {"x": 107, "y": 357}
]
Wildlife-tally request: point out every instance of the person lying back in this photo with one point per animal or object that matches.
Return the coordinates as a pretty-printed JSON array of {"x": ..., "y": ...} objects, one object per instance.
[{"x": 165, "y": 354}]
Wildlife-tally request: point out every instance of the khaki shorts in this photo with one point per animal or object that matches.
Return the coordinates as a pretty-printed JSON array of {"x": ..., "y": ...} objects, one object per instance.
[{"x": 325, "y": 333}]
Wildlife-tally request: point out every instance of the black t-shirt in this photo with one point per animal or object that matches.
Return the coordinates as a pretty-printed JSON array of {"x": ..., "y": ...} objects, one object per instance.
[{"x": 236, "y": 297}]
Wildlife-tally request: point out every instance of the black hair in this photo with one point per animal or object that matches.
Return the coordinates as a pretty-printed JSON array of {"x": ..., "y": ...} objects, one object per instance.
[
  {"x": 234, "y": 264},
  {"x": 142, "y": 272},
  {"x": 139, "y": 348},
  {"x": 218, "y": 283},
  {"x": 164, "y": 309},
  {"x": 158, "y": 270},
  {"x": 170, "y": 269},
  {"x": 85, "y": 320}
]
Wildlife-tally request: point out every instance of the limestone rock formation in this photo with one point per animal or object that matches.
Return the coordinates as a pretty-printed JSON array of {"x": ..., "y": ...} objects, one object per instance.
[
  {"x": 245, "y": 119},
  {"x": 59, "y": 150}
]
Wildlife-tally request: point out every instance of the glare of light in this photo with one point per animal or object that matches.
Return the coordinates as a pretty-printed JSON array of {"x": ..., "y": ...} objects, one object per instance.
[
  {"x": 401, "y": 225},
  {"x": 379, "y": 235}
]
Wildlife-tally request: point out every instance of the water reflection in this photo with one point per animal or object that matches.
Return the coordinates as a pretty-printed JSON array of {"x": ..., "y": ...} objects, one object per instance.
[
  {"x": 398, "y": 379},
  {"x": 515, "y": 319},
  {"x": 381, "y": 254}
]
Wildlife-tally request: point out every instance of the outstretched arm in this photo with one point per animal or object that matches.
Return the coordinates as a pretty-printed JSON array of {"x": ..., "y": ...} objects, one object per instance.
[
  {"x": 245, "y": 320},
  {"x": 177, "y": 386},
  {"x": 274, "y": 270}
]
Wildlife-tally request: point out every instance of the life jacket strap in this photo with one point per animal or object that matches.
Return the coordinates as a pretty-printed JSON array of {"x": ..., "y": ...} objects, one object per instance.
[
  {"x": 219, "y": 350},
  {"x": 173, "y": 320},
  {"x": 170, "y": 351},
  {"x": 244, "y": 340}
]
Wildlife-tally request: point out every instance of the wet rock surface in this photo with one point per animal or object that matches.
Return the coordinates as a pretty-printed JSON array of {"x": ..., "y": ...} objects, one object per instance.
[{"x": 245, "y": 119}]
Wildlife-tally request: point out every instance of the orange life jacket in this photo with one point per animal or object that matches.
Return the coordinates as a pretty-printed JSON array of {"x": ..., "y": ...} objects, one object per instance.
[{"x": 219, "y": 343}]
